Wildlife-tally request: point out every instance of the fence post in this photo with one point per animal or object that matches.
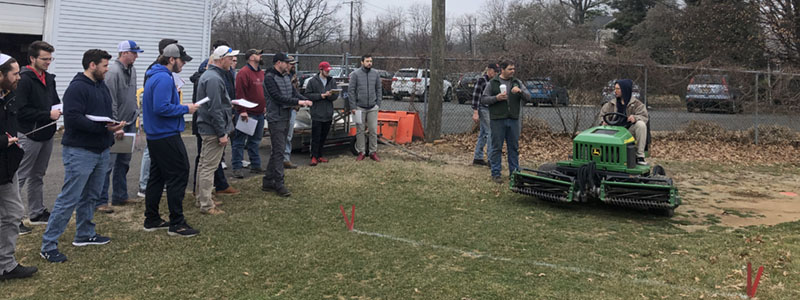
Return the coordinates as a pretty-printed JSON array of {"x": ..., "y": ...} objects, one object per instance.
[
  {"x": 644, "y": 95},
  {"x": 756, "y": 116}
]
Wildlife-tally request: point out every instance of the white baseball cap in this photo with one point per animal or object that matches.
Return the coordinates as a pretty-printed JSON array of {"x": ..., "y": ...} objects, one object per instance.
[
  {"x": 223, "y": 51},
  {"x": 129, "y": 46}
]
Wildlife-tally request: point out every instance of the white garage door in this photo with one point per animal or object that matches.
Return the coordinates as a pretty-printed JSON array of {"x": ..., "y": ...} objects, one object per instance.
[{"x": 22, "y": 16}]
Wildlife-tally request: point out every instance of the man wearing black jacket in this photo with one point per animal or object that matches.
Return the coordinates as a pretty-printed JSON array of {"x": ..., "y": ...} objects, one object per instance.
[
  {"x": 319, "y": 92},
  {"x": 36, "y": 96},
  {"x": 85, "y": 154},
  {"x": 11, "y": 208}
]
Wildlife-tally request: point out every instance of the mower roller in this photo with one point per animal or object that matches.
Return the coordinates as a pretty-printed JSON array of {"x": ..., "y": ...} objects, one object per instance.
[{"x": 602, "y": 168}]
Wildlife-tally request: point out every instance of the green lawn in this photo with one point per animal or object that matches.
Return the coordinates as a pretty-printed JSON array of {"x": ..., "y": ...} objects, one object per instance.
[{"x": 423, "y": 231}]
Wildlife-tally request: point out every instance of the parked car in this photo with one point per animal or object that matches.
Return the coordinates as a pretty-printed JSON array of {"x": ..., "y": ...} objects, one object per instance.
[
  {"x": 410, "y": 81},
  {"x": 303, "y": 77},
  {"x": 608, "y": 92},
  {"x": 543, "y": 90},
  {"x": 341, "y": 73},
  {"x": 466, "y": 86},
  {"x": 386, "y": 81},
  {"x": 712, "y": 92}
]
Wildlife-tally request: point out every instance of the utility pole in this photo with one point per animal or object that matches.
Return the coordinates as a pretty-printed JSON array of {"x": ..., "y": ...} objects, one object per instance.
[
  {"x": 350, "y": 41},
  {"x": 471, "y": 45},
  {"x": 433, "y": 116}
]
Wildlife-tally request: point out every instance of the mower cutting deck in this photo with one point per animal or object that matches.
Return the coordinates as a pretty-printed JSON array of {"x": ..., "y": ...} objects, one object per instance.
[{"x": 602, "y": 167}]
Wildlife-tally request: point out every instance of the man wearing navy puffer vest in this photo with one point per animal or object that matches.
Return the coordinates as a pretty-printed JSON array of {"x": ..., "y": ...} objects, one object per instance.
[{"x": 85, "y": 154}]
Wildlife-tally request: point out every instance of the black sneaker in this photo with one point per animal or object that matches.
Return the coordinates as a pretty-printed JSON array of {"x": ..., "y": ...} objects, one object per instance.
[
  {"x": 641, "y": 161},
  {"x": 256, "y": 170},
  {"x": 19, "y": 272},
  {"x": 479, "y": 162},
  {"x": 23, "y": 230},
  {"x": 53, "y": 256},
  {"x": 182, "y": 230},
  {"x": 283, "y": 191},
  {"x": 41, "y": 219},
  {"x": 160, "y": 225},
  {"x": 95, "y": 240},
  {"x": 267, "y": 185},
  {"x": 237, "y": 173}
]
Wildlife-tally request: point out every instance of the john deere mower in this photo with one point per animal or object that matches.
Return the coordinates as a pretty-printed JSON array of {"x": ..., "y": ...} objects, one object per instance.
[{"x": 602, "y": 168}]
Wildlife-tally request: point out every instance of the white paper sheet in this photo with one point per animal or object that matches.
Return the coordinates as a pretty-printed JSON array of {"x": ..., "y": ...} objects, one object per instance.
[
  {"x": 244, "y": 103},
  {"x": 357, "y": 116},
  {"x": 204, "y": 100},
  {"x": 247, "y": 127},
  {"x": 57, "y": 107},
  {"x": 125, "y": 145},
  {"x": 100, "y": 119}
]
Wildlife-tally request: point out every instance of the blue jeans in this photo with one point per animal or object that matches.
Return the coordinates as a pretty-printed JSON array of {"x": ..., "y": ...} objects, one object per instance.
[
  {"x": 287, "y": 155},
  {"x": 504, "y": 130},
  {"x": 118, "y": 166},
  {"x": 484, "y": 136},
  {"x": 242, "y": 141},
  {"x": 144, "y": 173},
  {"x": 83, "y": 179}
]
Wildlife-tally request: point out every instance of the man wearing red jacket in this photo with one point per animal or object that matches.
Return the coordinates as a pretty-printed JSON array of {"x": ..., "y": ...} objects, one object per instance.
[{"x": 250, "y": 87}]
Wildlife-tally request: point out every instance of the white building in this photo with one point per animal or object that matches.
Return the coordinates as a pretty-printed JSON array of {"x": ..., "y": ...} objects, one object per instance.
[{"x": 74, "y": 26}]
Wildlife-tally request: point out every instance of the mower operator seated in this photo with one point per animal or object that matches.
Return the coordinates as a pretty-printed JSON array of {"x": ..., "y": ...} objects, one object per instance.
[{"x": 636, "y": 112}]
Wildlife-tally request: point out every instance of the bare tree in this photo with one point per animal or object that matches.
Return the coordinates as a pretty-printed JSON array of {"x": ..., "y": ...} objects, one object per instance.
[
  {"x": 782, "y": 20},
  {"x": 581, "y": 8},
  {"x": 300, "y": 24},
  {"x": 240, "y": 26}
]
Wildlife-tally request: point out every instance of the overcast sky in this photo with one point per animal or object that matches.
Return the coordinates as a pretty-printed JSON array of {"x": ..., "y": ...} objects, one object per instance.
[{"x": 372, "y": 8}]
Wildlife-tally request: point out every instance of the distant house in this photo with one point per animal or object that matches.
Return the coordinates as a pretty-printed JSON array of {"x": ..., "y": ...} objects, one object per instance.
[
  {"x": 601, "y": 33},
  {"x": 74, "y": 26}
]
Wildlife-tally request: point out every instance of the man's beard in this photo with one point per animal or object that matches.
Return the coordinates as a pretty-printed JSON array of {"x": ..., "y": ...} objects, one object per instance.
[
  {"x": 175, "y": 68},
  {"x": 6, "y": 84},
  {"x": 98, "y": 76}
]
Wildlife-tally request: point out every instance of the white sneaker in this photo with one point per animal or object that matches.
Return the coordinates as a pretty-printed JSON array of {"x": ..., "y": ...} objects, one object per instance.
[
  {"x": 140, "y": 194},
  {"x": 641, "y": 161}
]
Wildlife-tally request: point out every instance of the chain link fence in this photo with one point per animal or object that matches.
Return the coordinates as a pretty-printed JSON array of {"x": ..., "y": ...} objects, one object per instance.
[{"x": 567, "y": 93}]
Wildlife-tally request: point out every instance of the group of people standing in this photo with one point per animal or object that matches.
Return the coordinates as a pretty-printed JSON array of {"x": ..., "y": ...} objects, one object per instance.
[{"x": 101, "y": 105}]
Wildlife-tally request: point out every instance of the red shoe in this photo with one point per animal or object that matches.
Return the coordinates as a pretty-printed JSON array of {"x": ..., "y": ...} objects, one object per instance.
[
  {"x": 313, "y": 161},
  {"x": 375, "y": 157},
  {"x": 360, "y": 156},
  {"x": 322, "y": 160}
]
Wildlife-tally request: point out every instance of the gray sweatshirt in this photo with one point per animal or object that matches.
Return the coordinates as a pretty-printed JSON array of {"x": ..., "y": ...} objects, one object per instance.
[
  {"x": 121, "y": 82},
  {"x": 214, "y": 117}
]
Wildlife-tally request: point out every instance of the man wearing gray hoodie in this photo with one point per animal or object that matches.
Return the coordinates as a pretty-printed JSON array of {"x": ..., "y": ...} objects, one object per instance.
[{"x": 214, "y": 122}]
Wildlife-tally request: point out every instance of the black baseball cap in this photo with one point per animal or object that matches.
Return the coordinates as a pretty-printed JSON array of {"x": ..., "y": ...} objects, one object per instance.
[
  {"x": 177, "y": 51},
  {"x": 252, "y": 52},
  {"x": 280, "y": 56}
]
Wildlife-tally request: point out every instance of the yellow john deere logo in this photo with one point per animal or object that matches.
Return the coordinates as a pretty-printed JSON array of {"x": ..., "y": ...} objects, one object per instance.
[{"x": 595, "y": 151}]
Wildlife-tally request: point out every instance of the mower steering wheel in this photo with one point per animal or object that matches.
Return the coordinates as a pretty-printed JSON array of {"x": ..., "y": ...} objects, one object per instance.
[{"x": 618, "y": 119}]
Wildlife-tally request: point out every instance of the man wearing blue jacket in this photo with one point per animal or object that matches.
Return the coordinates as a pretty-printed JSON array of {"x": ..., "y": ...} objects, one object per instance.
[
  {"x": 85, "y": 154},
  {"x": 163, "y": 124}
]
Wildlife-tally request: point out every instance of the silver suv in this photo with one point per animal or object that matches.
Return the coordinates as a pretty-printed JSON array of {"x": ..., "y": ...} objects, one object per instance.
[
  {"x": 712, "y": 92},
  {"x": 407, "y": 82}
]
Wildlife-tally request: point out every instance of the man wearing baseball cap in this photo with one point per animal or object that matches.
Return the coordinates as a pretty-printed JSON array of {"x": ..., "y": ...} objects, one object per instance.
[
  {"x": 162, "y": 113},
  {"x": 249, "y": 86},
  {"x": 121, "y": 82},
  {"x": 319, "y": 92},
  {"x": 214, "y": 123},
  {"x": 281, "y": 97}
]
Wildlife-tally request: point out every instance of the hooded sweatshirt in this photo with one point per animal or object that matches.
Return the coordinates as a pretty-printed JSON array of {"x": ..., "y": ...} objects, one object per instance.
[
  {"x": 214, "y": 116},
  {"x": 10, "y": 156},
  {"x": 34, "y": 102},
  {"x": 626, "y": 85},
  {"x": 87, "y": 97},
  {"x": 162, "y": 111}
]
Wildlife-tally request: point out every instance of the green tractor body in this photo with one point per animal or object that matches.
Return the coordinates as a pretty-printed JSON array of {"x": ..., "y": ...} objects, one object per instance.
[{"x": 602, "y": 167}]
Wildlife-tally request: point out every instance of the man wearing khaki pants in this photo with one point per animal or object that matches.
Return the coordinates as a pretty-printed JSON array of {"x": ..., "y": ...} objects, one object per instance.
[
  {"x": 214, "y": 122},
  {"x": 365, "y": 96}
]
